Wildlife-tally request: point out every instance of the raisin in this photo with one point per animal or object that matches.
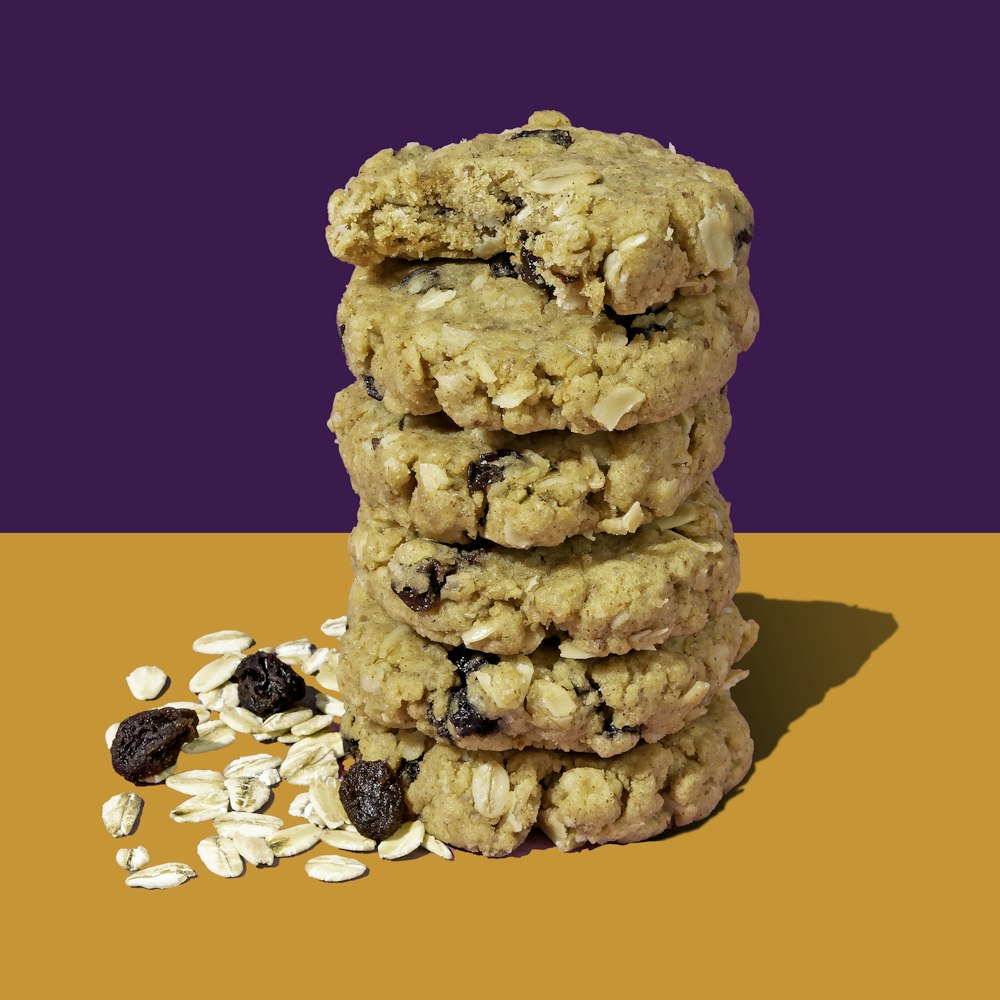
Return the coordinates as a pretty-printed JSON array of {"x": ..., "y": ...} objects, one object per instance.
[
  {"x": 484, "y": 471},
  {"x": 528, "y": 270},
  {"x": 516, "y": 204},
  {"x": 610, "y": 729},
  {"x": 375, "y": 442},
  {"x": 424, "y": 598},
  {"x": 468, "y": 660},
  {"x": 350, "y": 747},
  {"x": 373, "y": 798},
  {"x": 420, "y": 279},
  {"x": 743, "y": 237},
  {"x": 342, "y": 329},
  {"x": 501, "y": 266},
  {"x": 557, "y": 135},
  {"x": 408, "y": 772},
  {"x": 267, "y": 685},
  {"x": 465, "y": 718},
  {"x": 150, "y": 742},
  {"x": 371, "y": 388}
]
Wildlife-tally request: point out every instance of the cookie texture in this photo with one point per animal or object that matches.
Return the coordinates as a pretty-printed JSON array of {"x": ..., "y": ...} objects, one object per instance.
[
  {"x": 481, "y": 701},
  {"x": 609, "y": 595},
  {"x": 471, "y": 339},
  {"x": 599, "y": 219},
  {"x": 454, "y": 485},
  {"x": 488, "y": 802}
]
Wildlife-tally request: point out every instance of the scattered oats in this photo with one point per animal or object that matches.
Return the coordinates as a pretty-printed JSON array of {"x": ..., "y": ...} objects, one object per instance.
[
  {"x": 120, "y": 813},
  {"x": 165, "y": 876},
  {"x": 109, "y": 733},
  {"x": 214, "y": 674},
  {"x": 270, "y": 777},
  {"x": 335, "y": 627},
  {"x": 318, "y": 658},
  {"x": 329, "y": 706},
  {"x": 613, "y": 405},
  {"x": 312, "y": 758},
  {"x": 252, "y": 766},
  {"x": 300, "y": 806},
  {"x": 264, "y": 737},
  {"x": 573, "y": 650},
  {"x": 146, "y": 683},
  {"x": 241, "y": 719},
  {"x": 221, "y": 643},
  {"x": 479, "y": 632},
  {"x": 327, "y": 675},
  {"x": 254, "y": 850},
  {"x": 281, "y": 722},
  {"x": 490, "y": 789},
  {"x": 293, "y": 840},
  {"x": 510, "y": 398},
  {"x": 404, "y": 841},
  {"x": 247, "y": 794},
  {"x": 288, "y": 738},
  {"x": 333, "y": 868},
  {"x": 201, "y": 808},
  {"x": 347, "y": 840},
  {"x": 220, "y": 856},
  {"x": 434, "y": 298},
  {"x": 312, "y": 725},
  {"x": 438, "y": 847},
  {"x": 227, "y": 696},
  {"x": 295, "y": 652},
  {"x": 214, "y": 739},
  {"x": 203, "y": 712},
  {"x": 196, "y": 782},
  {"x": 247, "y": 824},
  {"x": 132, "y": 858},
  {"x": 327, "y": 809}
]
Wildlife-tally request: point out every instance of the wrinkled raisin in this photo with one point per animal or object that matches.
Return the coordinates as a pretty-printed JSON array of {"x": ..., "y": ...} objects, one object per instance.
[
  {"x": 373, "y": 798},
  {"x": 408, "y": 772},
  {"x": 528, "y": 270},
  {"x": 150, "y": 742},
  {"x": 466, "y": 719},
  {"x": 350, "y": 747},
  {"x": 423, "y": 598},
  {"x": 420, "y": 279},
  {"x": 743, "y": 237},
  {"x": 468, "y": 660},
  {"x": 557, "y": 135},
  {"x": 267, "y": 685},
  {"x": 484, "y": 471},
  {"x": 371, "y": 388},
  {"x": 501, "y": 266},
  {"x": 516, "y": 204}
]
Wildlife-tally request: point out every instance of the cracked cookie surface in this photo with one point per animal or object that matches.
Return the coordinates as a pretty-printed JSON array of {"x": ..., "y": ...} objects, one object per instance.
[
  {"x": 601, "y": 597},
  {"x": 456, "y": 485},
  {"x": 479, "y": 701},
  {"x": 491, "y": 351},
  {"x": 488, "y": 802},
  {"x": 598, "y": 218}
]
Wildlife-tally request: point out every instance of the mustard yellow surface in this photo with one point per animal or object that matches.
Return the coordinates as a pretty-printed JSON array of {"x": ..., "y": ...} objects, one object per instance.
[{"x": 858, "y": 859}]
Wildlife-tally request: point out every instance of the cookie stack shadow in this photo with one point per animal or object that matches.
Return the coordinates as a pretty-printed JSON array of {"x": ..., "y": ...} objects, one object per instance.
[{"x": 541, "y": 628}]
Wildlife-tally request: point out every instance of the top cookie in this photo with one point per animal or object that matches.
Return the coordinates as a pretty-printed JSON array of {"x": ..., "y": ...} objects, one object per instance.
[{"x": 600, "y": 219}]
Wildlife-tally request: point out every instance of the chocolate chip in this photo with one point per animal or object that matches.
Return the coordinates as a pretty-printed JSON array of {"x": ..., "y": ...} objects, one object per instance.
[
  {"x": 502, "y": 266},
  {"x": 149, "y": 742},
  {"x": 371, "y": 388},
  {"x": 485, "y": 471},
  {"x": 557, "y": 135},
  {"x": 266, "y": 684},
  {"x": 424, "y": 597},
  {"x": 743, "y": 237},
  {"x": 371, "y": 795},
  {"x": 465, "y": 718}
]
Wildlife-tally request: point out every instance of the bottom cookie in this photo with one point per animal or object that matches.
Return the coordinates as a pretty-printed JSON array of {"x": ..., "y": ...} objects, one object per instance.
[{"x": 488, "y": 801}]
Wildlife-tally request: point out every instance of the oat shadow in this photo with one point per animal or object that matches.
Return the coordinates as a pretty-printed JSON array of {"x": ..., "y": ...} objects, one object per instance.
[{"x": 805, "y": 649}]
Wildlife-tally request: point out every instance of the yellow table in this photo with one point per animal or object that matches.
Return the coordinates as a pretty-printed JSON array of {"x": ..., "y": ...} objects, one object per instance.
[{"x": 858, "y": 859}]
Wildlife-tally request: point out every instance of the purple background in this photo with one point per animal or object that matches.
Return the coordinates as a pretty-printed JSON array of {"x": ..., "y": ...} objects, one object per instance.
[{"x": 169, "y": 335}]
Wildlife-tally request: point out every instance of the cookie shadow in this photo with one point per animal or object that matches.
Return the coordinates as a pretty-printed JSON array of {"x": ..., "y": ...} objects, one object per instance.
[{"x": 805, "y": 649}]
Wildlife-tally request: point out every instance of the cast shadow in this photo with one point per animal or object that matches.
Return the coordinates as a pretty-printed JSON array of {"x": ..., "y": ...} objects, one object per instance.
[{"x": 805, "y": 649}]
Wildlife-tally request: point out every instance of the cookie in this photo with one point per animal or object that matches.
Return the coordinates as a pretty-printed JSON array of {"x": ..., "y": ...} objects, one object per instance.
[
  {"x": 470, "y": 339},
  {"x": 608, "y": 595},
  {"x": 480, "y": 701},
  {"x": 454, "y": 485},
  {"x": 488, "y": 802},
  {"x": 599, "y": 219}
]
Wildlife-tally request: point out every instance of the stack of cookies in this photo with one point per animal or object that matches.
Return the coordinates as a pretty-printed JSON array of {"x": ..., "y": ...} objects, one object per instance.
[{"x": 541, "y": 631}]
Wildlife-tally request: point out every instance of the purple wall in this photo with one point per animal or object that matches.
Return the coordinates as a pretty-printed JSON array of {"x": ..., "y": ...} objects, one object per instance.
[{"x": 170, "y": 342}]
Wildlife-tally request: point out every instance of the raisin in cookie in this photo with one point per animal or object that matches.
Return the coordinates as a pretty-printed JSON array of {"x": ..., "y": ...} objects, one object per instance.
[
  {"x": 470, "y": 339},
  {"x": 596, "y": 218},
  {"x": 455, "y": 485},
  {"x": 602, "y": 596},
  {"x": 480, "y": 701},
  {"x": 489, "y": 801}
]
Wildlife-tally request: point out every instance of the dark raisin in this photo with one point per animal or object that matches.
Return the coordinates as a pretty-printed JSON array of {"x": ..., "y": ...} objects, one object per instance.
[
  {"x": 150, "y": 742},
  {"x": 375, "y": 442},
  {"x": 465, "y": 718},
  {"x": 516, "y": 204},
  {"x": 420, "y": 279},
  {"x": 373, "y": 798},
  {"x": 342, "y": 329},
  {"x": 501, "y": 266},
  {"x": 408, "y": 772},
  {"x": 484, "y": 471},
  {"x": 557, "y": 135},
  {"x": 610, "y": 729},
  {"x": 468, "y": 660},
  {"x": 743, "y": 237},
  {"x": 424, "y": 597},
  {"x": 371, "y": 388},
  {"x": 267, "y": 685},
  {"x": 350, "y": 747},
  {"x": 528, "y": 270}
]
